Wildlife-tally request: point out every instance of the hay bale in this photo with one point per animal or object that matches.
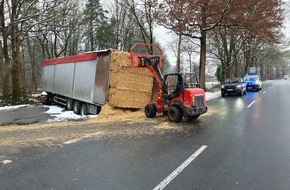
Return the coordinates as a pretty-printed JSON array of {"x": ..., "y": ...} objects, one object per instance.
[
  {"x": 121, "y": 98},
  {"x": 119, "y": 60},
  {"x": 129, "y": 87}
]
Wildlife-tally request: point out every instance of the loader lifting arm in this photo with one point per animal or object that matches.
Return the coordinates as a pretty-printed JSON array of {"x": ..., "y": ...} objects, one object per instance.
[
  {"x": 152, "y": 64},
  {"x": 152, "y": 61}
]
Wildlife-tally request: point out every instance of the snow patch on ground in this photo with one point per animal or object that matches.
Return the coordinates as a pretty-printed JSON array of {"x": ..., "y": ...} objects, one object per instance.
[
  {"x": 212, "y": 95},
  {"x": 61, "y": 114}
]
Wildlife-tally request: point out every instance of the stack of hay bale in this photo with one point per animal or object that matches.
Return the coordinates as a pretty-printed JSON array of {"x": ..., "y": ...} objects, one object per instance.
[{"x": 129, "y": 87}]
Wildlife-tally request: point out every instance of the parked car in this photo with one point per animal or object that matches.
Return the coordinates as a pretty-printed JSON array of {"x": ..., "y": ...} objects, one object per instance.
[
  {"x": 285, "y": 77},
  {"x": 233, "y": 86},
  {"x": 253, "y": 82}
]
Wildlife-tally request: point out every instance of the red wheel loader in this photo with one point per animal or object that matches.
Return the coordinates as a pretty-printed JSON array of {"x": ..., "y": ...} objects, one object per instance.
[{"x": 185, "y": 99}]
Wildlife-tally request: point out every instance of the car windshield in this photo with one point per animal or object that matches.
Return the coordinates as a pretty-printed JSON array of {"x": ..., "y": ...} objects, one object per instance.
[
  {"x": 251, "y": 77},
  {"x": 232, "y": 80}
]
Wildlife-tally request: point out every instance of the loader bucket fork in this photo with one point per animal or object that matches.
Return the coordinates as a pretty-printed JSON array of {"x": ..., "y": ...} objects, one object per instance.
[{"x": 151, "y": 60}]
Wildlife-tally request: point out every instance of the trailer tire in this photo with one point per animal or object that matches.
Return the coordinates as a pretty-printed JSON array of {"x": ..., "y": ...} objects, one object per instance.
[
  {"x": 99, "y": 109},
  {"x": 77, "y": 107},
  {"x": 175, "y": 114},
  {"x": 84, "y": 110},
  {"x": 150, "y": 110},
  {"x": 69, "y": 104}
]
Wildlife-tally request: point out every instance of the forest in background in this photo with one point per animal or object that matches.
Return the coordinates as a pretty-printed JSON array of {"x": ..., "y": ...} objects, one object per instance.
[{"x": 236, "y": 34}]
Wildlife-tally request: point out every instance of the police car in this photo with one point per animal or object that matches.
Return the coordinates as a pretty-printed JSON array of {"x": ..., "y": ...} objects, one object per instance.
[{"x": 253, "y": 82}]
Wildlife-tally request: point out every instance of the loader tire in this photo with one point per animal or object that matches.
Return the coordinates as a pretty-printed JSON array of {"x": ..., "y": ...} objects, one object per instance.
[
  {"x": 150, "y": 110},
  {"x": 175, "y": 114}
]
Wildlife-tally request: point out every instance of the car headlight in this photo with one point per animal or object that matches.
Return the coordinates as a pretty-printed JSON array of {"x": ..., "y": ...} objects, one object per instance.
[
  {"x": 222, "y": 86},
  {"x": 239, "y": 86}
]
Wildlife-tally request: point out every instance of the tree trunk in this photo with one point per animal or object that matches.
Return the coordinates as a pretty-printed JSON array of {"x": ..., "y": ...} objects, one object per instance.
[
  {"x": 178, "y": 60},
  {"x": 16, "y": 63},
  {"x": 202, "y": 62},
  {"x": 262, "y": 71},
  {"x": 1, "y": 67},
  {"x": 7, "y": 60},
  {"x": 32, "y": 63},
  {"x": 247, "y": 60}
]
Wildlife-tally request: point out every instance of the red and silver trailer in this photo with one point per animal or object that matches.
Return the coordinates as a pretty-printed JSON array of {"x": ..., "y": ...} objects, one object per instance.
[{"x": 80, "y": 82}]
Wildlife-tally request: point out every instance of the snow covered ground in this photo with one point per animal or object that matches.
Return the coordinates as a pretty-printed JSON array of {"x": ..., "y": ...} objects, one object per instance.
[
  {"x": 61, "y": 114},
  {"x": 212, "y": 95}
]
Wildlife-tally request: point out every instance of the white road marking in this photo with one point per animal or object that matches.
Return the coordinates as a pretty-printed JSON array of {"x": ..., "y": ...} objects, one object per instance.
[
  {"x": 167, "y": 180},
  {"x": 264, "y": 92},
  {"x": 5, "y": 162},
  {"x": 81, "y": 138},
  {"x": 72, "y": 141},
  {"x": 251, "y": 104}
]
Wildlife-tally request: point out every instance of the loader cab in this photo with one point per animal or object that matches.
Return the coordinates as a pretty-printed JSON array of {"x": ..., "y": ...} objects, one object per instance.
[
  {"x": 178, "y": 85},
  {"x": 171, "y": 80},
  {"x": 188, "y": 80}
]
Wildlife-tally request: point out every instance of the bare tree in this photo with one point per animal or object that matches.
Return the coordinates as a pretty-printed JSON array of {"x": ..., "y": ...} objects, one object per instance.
[
  {"x": 196, "y": 18},
  {"x": 143, "y": 12},
  {"x": 125, "y": 30}
]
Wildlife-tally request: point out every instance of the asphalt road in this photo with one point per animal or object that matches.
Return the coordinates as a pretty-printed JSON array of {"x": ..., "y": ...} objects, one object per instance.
[
  {"x": 24, "y": 115},
  {"x": 245, "y": 143}
]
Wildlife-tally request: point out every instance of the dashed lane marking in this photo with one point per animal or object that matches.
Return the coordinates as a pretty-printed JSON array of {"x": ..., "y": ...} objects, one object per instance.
[
  {"x": 167, "y": 180},
  {"x": 81, "y": 138},
  {"x": 264, "y": 92},
  {"x": 5, "y": 162},
  {"x": 251, "y": 104}
]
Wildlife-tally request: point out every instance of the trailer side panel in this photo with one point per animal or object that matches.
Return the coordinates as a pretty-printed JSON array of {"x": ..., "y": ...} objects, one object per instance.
[
  {"x": 83, "y": 77},
  {"x": 85, "y": 73},
  {"x": 64, "y": 79}
]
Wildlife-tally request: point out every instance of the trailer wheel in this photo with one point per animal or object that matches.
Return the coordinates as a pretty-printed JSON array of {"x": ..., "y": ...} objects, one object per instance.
[
  {"x": 69, "y": 104},
  {"x": 84, "y": 109},
  {"x": 99, "y": 109},
  {"x": 77, "y": 107},
  {"x": 150, "y": 110},
  {"x": 175, "y": 114}
]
